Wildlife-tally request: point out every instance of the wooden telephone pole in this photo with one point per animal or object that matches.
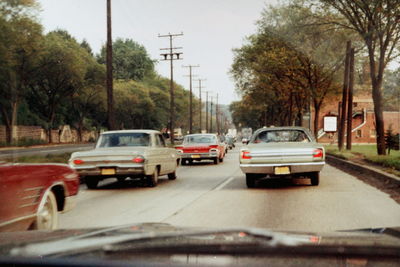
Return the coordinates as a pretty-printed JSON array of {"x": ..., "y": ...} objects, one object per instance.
[
  {"x": 171, "y": 56},
  {"x": 109, "y": 79}
]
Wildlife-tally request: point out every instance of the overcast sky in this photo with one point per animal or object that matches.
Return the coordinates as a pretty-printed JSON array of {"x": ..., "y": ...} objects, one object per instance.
[{"x": 211, "y": 29}]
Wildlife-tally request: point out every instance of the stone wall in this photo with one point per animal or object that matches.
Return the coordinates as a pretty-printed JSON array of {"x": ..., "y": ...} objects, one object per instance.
[{"x": 63, "y": 135}]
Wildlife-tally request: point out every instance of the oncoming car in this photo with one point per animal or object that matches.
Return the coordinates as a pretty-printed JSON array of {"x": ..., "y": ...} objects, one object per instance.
[{"x": 282, "y": 152}]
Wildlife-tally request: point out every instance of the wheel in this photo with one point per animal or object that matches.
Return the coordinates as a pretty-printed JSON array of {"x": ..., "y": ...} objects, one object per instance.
[
  {"x": 152, "y": 180},
  {"x": 172, "y": 175},
  {"x": 183, "y": 162},
  {"x": 216, "y": 160},
  {"x": 250, "y": 180},
  {"x": 47, "y": 215},
  {"x": 91, "y": 183},
  {"x": 221, "y": 160},
  {"x": 314, "y": 176}
]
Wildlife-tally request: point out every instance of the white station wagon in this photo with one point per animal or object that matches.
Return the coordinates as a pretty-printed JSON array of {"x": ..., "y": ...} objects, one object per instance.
[{"x": 126, "y": 154}]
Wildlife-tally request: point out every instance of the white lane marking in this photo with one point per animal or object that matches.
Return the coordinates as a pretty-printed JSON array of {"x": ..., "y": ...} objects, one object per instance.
[{"x": 224, "y": 183}]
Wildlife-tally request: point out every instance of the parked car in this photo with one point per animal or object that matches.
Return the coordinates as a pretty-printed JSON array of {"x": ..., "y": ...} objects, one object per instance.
[
  {"x": 126, "y": 154},
  {"x": 282, "y": 152},
  {"x": 197, "y": 147},
  {"x": 31, "y": 195}
]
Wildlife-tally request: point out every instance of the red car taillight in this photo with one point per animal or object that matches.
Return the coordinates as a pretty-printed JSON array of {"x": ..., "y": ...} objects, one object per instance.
[
  {"x": 78, "y": 161},
  {"x": 138, "y": 160},
  {"x": 245, "y": 155},
  {"x": 318, "y": 153}
]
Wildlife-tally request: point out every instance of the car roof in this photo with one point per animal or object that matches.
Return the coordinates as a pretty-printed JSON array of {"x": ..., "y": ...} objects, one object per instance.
[{"x": 132, "y": 131}]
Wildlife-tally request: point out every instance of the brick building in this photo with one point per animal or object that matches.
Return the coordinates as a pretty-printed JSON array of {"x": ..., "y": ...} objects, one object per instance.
[{"x": 363, "y": 125}]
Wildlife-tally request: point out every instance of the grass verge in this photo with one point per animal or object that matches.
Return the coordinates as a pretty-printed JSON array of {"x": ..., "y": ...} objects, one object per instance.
[{"x": 368, "y": 153}]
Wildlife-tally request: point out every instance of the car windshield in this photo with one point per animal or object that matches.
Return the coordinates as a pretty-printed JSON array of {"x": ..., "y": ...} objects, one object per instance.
[
  {"x": 199, "y": 139},
  {"x": 277, "y": 136},
  {"x": 123, "y": 139}
]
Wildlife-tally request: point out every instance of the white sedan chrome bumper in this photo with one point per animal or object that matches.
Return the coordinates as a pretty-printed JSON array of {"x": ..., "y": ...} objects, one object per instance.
[{"x": 268, "y": 168}]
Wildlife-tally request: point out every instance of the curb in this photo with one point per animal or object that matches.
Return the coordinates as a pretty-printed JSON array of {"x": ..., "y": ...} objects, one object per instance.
[{"x": 362, "y": 169}]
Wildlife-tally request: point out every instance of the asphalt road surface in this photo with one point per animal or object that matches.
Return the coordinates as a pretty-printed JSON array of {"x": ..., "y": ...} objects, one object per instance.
[
  {"x": 210, "y": 195},
  {"x": 43, "y": 150}
]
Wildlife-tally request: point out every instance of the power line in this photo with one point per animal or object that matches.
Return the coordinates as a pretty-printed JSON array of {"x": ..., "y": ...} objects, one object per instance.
[{"x": 171, "y": 56}]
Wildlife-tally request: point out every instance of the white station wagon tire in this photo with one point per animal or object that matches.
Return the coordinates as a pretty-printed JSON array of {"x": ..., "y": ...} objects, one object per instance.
[
  {"x": 152, "y": 180},
  {"x": 172, "y": 175},
  {"x": 91, "y": 183},
  {"x": 314, "y": 176},
  {"x": 47, "y": 214},
  {"x": 250, "y": 180}
]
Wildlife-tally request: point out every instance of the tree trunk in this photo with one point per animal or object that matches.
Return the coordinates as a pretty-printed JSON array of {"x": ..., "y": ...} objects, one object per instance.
[
  {"x": 7, "y": 124},
  {"x": 316, "y": 120},
  {"x": 377, "y": 98}
]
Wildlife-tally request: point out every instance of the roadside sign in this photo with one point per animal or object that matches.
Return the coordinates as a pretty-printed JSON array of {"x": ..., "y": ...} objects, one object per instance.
[{"x": 330, "y": 123}]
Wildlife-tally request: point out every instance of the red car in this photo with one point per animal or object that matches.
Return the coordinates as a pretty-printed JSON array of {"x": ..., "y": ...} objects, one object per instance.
[
  {"x": 31, "y": 195},
  {"x": 197, "y": 147}
]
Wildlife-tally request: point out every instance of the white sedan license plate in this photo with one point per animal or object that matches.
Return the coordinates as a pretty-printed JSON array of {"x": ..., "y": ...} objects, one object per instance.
[
  {"x": 282, "y": 170},
  {"x": 109, "y": 171},
  {"x": 195, "y": 156}
]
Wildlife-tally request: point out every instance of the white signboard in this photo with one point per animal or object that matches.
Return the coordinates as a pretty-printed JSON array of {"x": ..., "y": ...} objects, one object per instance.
[{"x": 330, "y": 123}]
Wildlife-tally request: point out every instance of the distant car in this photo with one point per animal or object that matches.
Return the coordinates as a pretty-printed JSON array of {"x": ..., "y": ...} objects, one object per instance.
[
  {"x": 230, "y": 141},
  {"x": 197, "y": 147},
  {"x": 126, "y": 153},
  {"x": 31, "y": 195},
  {"x": 282, "y": 152}
]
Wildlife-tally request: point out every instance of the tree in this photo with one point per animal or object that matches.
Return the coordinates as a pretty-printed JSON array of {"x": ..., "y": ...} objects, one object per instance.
[
  {"x": 130, "y": 60},
  {"x": 20, "y": 36},
  {"x": 377, "y": 23},
  {"x": 60, "y": 71}
]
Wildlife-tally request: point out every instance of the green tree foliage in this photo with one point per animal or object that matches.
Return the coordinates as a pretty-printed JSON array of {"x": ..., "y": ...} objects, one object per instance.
[
  {"x": 51, "y": 80},
  {"x": 20, "y": 36},
  {"x": 130, "y": 60},
  {"x": 59, "y": 73},
  {"x": 377, "y": 23},
  {"x": 287, "y": 64}
]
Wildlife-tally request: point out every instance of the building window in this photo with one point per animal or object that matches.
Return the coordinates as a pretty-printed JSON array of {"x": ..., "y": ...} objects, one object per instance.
[
  {"x": 359, "y": 133},
  {"x": 372, "y": 133}
]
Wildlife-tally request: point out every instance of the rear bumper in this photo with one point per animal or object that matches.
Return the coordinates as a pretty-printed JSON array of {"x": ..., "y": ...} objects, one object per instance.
[
  {"x": 294, "y": 167},
  {"x": 210, "y": 155},
  {"x": 128, "y": 170}
]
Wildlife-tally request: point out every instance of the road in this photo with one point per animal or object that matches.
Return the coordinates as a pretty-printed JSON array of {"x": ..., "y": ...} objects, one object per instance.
[
  {"x": 43, "y": 150},
  {"x": 216, "y": 196}
]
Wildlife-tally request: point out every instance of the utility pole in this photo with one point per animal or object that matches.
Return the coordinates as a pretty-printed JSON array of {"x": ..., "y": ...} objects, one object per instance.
[
  {"x": 109, "y": 79},
  {"x": 217, "y": 115},
  {"x": 350, "y": 102},
  {"x": 211, "y": 114},
  {"x": 191, "y": 97},
  {"x": 207, "y": 112},
  {"x": 173, "y": 55},
  {"x": 201, "y": 104},
  {"x": 344, "y": 97}
]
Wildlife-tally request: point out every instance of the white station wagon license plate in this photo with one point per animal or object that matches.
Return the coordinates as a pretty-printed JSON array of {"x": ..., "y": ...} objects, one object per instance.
[
  {"x": 108, "y": 171},
  {"x": 282, "y": 170}
]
